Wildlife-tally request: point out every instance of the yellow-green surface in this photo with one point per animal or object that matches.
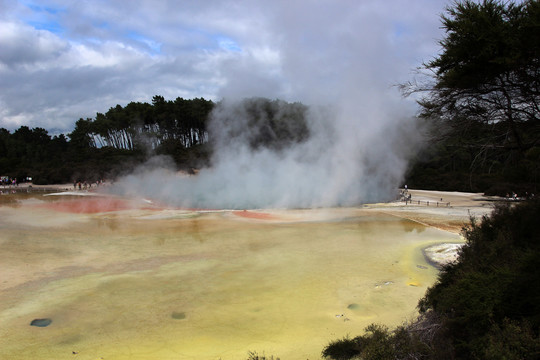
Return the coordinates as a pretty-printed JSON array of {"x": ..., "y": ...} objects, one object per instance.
[{"x": 165, "y": 284}]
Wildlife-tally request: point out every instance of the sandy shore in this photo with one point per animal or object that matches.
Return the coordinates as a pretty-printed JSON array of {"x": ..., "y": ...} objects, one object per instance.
[{"x": 445, "y": 210}]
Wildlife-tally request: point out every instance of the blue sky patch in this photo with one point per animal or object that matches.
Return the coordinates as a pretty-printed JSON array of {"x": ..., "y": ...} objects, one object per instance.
[
  {"x": 154, "y": 46},
  {"x": 228, "y": 44},
  {"x": 44, "y": 18},
  {"x": 49, "y": 10},
  {"x": 51, "y": 26}
]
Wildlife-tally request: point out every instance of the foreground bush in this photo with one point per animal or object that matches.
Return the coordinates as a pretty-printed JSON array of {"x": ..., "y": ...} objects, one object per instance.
[
  {"x": 410, "y": 341},
  {"x": 485, "y": 306},
  {"x": 253, "y": 355}
]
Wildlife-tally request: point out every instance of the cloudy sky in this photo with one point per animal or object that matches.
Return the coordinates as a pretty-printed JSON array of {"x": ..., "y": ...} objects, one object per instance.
[{"x": 61, "y": 60}]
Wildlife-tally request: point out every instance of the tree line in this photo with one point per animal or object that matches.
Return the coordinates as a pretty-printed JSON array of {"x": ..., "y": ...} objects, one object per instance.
[
  {"x": 109, "y": 144},
  {"x": 141, "y": 125},
  {"x": 481, "y": 100},
  {"x": 116, "y": 141}
]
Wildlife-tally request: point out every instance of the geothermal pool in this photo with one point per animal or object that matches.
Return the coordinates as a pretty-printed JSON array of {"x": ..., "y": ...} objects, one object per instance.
[{"x": 121, "y": 279}]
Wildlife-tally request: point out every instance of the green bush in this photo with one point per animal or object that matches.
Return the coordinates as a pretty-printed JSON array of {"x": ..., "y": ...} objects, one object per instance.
[
  {"x": 253, "y": 355},
  {"x": 343, "y": 349},
  {"x": 494, "y": 288},
  {"x": 484, "y": 306}
]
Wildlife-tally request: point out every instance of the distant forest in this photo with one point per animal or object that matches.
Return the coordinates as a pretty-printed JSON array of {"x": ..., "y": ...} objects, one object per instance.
[
  {"x": 113, "y": 143},
  {"x": 109, "y": 144}
]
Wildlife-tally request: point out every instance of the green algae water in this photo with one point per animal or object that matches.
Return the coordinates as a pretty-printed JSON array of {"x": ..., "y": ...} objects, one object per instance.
[{"x": 155, "y": 283}]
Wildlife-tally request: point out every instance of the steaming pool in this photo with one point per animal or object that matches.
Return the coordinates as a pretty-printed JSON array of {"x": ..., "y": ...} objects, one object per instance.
[{"x": 114, "y": 278}]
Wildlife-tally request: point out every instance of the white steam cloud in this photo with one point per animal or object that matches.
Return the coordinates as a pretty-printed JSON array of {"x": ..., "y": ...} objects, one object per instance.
[
  {"x": 340, "y": 60},
  {"x": 347, "y": 160}
]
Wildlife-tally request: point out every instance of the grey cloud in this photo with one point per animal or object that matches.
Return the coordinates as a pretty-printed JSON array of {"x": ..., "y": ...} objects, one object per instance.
[
  {"x": 320, "y": 51},
  {"x": 23, "y": 45},
  {"x": 347, "y": 57}
]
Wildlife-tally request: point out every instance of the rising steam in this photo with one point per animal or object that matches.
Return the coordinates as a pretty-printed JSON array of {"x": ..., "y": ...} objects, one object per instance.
[
  {"x": 348, "y": 158},
  {"x": 345, "y": 58}
]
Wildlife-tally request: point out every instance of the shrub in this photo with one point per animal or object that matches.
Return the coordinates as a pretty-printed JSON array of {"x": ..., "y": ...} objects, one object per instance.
[
  {"x": 484, "y": 306},
  {"x": 494, "y": 288},
  {"x": 253, "y": 355},
  {"x": 343, "y": 349}
]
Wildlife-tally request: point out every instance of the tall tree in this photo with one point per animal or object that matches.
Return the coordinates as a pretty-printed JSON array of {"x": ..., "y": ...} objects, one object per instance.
[{"x": 488, "y": 72}]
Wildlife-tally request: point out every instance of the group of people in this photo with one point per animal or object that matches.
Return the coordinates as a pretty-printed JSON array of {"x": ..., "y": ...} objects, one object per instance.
[
  {"x": 85, "y": 185},
  {"x": 404, "y": 194},
  {"x": 515, "y": 196},
  {"x": 7, "y": 181}
]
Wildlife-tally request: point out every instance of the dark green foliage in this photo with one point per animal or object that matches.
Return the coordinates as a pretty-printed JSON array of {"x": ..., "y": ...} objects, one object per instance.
[
  {"x": 494, "y": 289},
  {"x": 253, "y": 355},
  {"x": 510, "y": 341},
  {"x": 147, "y": 126},
  {"x": 112, "y": 144},
  {"x": 342, "y": 349},
  {"x": 378, "y": 343},
  {"x": 482, "y": 101},
  {"x": 488, "y": 72},
  {"x": 33, "y": 153},
  {"x": 453, "y": 163},
  {"x": 264, "y": 123},
  {"x": 485, "y": 306},
  {"x": 115, "y": 142}
]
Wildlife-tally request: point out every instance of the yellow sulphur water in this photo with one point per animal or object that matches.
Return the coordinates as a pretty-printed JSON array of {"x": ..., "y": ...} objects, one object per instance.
[{"x": 177, "y": 285}]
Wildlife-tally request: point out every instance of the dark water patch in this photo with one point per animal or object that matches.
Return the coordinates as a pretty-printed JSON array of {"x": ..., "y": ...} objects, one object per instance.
[
  {"x": 178, "y": 315},
  {"x": 353, "y": 306},
  {"x": 41, "y": 322}
]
